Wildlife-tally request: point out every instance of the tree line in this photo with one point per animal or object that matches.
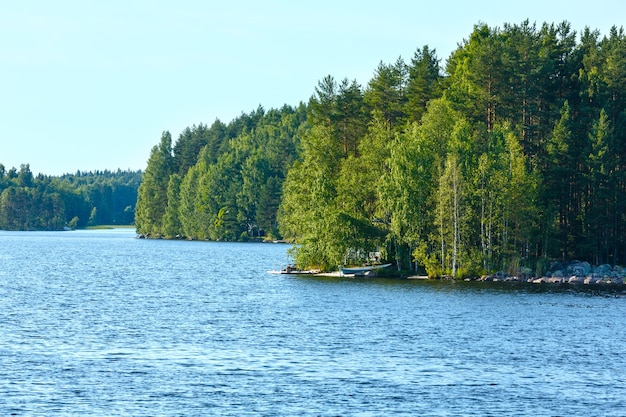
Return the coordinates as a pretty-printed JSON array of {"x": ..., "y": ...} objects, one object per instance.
[
  {"x": 511, "y": 154},
  {"x": 42, "y": 202},
  {"x": 222, "y": 182}
]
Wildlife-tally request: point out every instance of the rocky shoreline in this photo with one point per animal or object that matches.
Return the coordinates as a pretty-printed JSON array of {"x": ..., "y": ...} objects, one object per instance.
[{"x": 573, "y": 273}]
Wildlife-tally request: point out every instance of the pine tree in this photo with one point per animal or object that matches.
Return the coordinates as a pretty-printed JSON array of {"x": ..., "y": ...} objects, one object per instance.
[
  {"x": 424, "y": 83},
  {"x": 172, "y": 226},
  {"x": 152, "y": 194}
]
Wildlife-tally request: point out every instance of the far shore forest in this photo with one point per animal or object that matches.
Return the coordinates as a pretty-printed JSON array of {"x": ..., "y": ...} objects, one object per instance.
[
  {"x": 69, "y": 201},
  {"x": 506, "y": 156}
]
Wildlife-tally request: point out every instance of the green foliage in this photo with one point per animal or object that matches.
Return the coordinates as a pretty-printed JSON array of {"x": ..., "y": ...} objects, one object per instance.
[
  {"x": 152, "y": 193},
  {"x": 171, "y": 220},
  {"x": 71, "y": 200},
  {"x": 308, "y": 214},
  {"x": 221, "y": 183},
  {"x": 424, "y": 83},
  {"x": 515, "y": 156},
  {"x": 386, "y": 95}
]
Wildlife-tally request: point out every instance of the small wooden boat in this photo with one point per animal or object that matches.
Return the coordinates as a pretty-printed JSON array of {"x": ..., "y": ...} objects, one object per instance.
[{"x": 359, "y": 270}]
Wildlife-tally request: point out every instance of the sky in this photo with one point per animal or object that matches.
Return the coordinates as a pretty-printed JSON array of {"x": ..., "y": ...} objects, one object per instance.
[{"x": 91, "y": 85}]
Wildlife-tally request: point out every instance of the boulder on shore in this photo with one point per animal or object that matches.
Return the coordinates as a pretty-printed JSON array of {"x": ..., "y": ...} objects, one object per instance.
[
  {"x": 584, "y": 273},
  {"x": 566, "y": 273}
]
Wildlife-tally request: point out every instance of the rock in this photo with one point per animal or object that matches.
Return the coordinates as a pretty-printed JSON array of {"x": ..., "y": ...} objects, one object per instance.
[
  {"x": 586, "y": 268},
  {"x": 574, "y": 280},
  {"x": 604, "y": 269},
  {"x": 579, "y": 269},
  {"x": 497, "y": 277},
  {"x": 524, "y": 273},
  {"x": 560, "y": 273}
]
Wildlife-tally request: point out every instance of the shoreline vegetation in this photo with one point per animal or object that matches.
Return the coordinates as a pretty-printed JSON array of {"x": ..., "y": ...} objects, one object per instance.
[
  {"x": 66, "y": 202},
  {"x": 505, "y": 157},
  {"x": 573, "y": 273}
]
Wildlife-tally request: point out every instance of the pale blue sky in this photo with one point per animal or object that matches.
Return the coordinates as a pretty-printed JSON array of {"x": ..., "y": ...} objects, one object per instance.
[{"x": 89, "y": 85}]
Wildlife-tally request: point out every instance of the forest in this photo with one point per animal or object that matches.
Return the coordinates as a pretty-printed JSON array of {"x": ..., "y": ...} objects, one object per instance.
[
  {"x": 508, "y": 156},
  {"x": 70, "y": 201}
]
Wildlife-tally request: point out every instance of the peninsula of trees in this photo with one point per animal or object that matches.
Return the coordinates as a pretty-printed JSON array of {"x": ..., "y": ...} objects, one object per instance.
[
  {"x": 511, "y": 154},
  {"x": 78, "y": 200}
]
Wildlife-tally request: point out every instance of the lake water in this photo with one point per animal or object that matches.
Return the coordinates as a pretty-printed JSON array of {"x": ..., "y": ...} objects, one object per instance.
[{"x": 101, "y": 323}]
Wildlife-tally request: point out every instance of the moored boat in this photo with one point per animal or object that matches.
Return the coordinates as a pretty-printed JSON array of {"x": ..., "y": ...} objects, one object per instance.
[{"x": 359, "y": 270}]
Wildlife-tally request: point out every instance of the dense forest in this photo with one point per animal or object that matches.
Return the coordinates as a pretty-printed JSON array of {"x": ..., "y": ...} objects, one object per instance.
[
  {"x": 510, "y": 155},
  {"x": 72, "y": 201},
  {"x": 222, "y": 182}
]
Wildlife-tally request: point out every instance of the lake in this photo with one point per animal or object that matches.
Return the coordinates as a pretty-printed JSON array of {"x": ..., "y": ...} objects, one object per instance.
[{"x": 98, "y": 323}]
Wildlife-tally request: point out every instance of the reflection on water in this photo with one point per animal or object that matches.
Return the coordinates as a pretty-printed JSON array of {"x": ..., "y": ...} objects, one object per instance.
[{"x": 100, "y": 323}]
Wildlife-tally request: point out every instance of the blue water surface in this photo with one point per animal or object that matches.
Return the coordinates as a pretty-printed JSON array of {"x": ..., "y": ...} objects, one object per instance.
[{"x": 98, "y": 323}]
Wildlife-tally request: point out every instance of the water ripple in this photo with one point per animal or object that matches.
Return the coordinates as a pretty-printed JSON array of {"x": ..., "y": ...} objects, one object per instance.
[{"x": 97, "y": 323}]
